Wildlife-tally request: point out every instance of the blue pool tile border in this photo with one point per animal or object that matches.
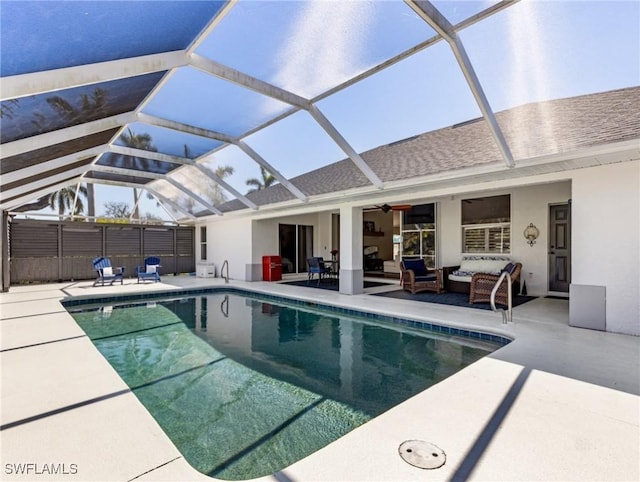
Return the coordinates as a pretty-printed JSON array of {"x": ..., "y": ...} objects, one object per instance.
[{"x": 433, "y": 327}]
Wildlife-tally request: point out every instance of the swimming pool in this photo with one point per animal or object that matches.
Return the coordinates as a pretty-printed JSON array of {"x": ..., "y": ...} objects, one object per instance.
[{"x": 245, "y": 385}]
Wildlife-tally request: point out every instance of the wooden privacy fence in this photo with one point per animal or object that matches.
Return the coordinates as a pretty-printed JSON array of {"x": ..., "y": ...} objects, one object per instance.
[{"x": 63, "y": 251}]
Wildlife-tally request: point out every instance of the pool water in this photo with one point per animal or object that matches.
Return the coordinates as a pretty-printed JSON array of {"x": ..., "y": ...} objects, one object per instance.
[{"x": 244, "y": 387}]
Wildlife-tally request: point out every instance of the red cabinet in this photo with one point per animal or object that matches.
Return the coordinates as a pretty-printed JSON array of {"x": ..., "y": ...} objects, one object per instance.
[{"x": 271, "y": 268}]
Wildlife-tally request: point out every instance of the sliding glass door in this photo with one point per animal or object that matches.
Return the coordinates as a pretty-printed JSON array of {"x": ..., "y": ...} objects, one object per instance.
[
  {"x": 296, "y": 245},
  {"x": 305, "y": 247}
]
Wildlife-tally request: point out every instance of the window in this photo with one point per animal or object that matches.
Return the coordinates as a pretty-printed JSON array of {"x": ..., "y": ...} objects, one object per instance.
[
  {"x": 419, "y": 233},
  {"x": 203, "y": 243},
  {"x": 486, "y": 224}
]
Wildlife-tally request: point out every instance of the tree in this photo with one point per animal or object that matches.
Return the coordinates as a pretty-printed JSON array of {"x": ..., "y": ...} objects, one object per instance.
[
  {"x": 150, "y": 218},
  {"x": 206, "y": 186},
  {"x": 91, "y": 201},
  {"x": 91, "y": 107},
  {"x": 7, "y": 109},
  {"x": 138, "y": 141},
  {"x": 64, "y": 198},
  {"x": 212, "y": 188},
  {"x": 46, "y": 201},
  {"x": 36, "y": 205},
  {"x": 117, "y": 209},
  {"x": 217, "y": 194},
  {"x": 259, "y": 184},
  {"x": 209, "y": 187}
]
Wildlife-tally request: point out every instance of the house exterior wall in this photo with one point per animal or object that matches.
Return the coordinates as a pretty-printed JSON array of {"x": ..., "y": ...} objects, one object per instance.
[
  {"x": 230, "y": 240},
  {"x": 266, "y": 234},
  {"x": 606, "y": 239},
  {"x": 322, "y": 234},
  {"x": 529, "y": 204},
  {"x": 605, "y": 233},
  {"x": 244, "y": 241}
]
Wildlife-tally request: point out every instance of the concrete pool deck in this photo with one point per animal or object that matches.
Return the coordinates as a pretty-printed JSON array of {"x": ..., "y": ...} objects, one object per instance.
[{"x": 558, "y": 403}]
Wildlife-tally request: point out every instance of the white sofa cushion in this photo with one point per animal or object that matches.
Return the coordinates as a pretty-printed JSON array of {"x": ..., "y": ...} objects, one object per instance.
[
  {"x": 478, "y": 264},
  {"x": 463, "y": 279}
]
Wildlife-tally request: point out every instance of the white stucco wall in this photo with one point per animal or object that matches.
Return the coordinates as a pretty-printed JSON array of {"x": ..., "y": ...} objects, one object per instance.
[
  {"x": 605, "y": 234},
  {"x": 230, "y": 240},
  {"x": 322, "y": 242},
  {"x": 449, "y": 234},
  {"x": 529, "y": 204},
  {"x": 606, "y": 239},
  {"x": 243, "y": 241}
]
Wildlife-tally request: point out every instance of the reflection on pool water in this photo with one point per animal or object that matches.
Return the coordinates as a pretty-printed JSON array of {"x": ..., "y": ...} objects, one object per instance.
[{"x": 244, "y": 387}]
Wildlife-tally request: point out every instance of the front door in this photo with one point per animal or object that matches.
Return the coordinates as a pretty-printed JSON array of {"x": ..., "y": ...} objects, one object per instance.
[{"x": 559, "y": 248}]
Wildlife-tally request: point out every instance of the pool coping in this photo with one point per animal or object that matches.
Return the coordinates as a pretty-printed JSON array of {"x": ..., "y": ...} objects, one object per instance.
[{"x": 498, "y": 339}]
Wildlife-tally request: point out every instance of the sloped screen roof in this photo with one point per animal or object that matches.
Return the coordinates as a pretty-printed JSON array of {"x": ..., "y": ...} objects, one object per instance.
[{"x": 190, "y": 100}]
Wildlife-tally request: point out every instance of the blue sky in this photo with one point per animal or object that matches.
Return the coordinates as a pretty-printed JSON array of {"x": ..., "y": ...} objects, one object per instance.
[{"x": 533, "y": 51}]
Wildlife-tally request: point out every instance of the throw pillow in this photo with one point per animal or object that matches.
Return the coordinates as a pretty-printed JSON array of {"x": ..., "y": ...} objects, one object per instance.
[
  {"x": 152, "y": 268},
  {"x": 416, "y": 265},
  {"x": 108, "y": 271}
]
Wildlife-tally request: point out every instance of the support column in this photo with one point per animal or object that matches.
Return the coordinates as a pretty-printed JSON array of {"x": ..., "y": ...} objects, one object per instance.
[
  {"x": 4, "y": 247},
  {"x": 351, "y": 272}
]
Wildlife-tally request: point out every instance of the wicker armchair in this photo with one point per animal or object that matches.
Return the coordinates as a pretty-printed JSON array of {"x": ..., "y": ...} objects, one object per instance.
[
  {"x": 482, "y": 284},
  {"x": 416, "y": 277}
]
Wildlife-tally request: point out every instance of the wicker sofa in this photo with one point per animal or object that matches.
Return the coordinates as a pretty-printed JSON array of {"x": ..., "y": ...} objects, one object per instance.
[{"x": 458, "y": 278}]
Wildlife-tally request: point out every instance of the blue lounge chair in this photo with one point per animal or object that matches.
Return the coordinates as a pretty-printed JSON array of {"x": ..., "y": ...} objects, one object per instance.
[
  {"x": 106, "y": 272},
  {"x": 316, "y": 266},
  {"x": 150, "y": 270}
]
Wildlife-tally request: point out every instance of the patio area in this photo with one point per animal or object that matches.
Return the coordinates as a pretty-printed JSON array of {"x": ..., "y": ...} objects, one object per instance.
[
  {"x": 215, "y": 134},
  {"x": 549, "y": 406}
]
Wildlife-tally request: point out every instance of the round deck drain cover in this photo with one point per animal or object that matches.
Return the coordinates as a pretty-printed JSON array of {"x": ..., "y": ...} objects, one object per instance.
[{"x": 422, "y": 454}]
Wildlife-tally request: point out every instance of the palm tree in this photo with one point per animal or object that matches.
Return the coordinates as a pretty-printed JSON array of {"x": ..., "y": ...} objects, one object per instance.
[
  {"x": 46, "y": 202},
  {"x": 138, "y": 141},
  {"x": 91, "y": 107},
  {"x": 36, "y": 205},
  {"x": 218, "y": 195},
  {"x": 63, "y": 199},
  {"x": 91, "y": 201},
  {"x": 267, "y": 180},
  {"x": 212, "y": 188}
]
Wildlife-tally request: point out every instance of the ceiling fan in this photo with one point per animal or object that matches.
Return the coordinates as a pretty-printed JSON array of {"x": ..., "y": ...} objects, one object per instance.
[{"x": 385, "y": 208}]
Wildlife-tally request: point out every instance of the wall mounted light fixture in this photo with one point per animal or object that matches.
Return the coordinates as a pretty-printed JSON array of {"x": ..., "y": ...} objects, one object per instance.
[{"x": 531, "y": 233}]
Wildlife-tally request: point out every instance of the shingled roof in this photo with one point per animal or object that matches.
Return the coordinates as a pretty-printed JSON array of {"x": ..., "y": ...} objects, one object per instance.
[{"x": 532, "y": 131}]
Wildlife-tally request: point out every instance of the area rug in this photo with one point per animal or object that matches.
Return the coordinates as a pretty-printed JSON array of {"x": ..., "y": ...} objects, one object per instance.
[
  {"x": 328, "y": 284},
  {"x": 451, "y": 299}
]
